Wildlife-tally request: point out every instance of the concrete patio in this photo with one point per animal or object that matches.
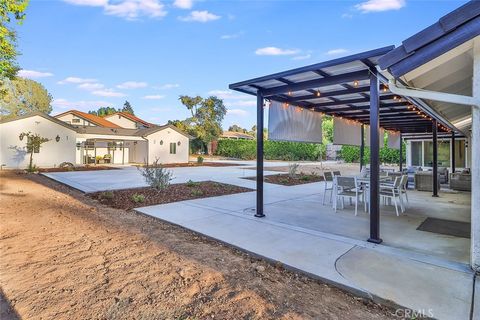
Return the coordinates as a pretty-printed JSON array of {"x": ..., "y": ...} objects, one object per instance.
[{"x": 423, "y": 271}]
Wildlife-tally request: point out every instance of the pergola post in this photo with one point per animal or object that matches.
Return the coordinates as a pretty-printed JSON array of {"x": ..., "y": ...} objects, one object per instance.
[
  {"x": 475, "y": 165},
  {"x": 435, "y": 159},
  {"x": 259, "y": 208},
  {"x": 362, "y": 145},
  {"x": 123, "y": 152},
  {"x": 374, "y": 160},
  {"x": 452, "y": 152},
  {"x": 401, "y": 153},
  {"x": 95, "y": 151}
]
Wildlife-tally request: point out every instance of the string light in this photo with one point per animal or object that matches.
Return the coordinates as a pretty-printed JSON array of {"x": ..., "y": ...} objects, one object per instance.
[
  {"x": 318, "y": 93},
  {"x": 355, "y": 83}
]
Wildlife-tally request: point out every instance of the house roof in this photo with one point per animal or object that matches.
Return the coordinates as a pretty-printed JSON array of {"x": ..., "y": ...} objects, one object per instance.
[
  {"x": 99, "y": 121},
  {"x": 447, "y": 33},
  {"x": 128, "y": 132},
  {"x": 236, "y": 135},
  {"x": 43, "y": 115},
  {"x": 148, "y": 131},
  {"x": 133, "y": 118}
]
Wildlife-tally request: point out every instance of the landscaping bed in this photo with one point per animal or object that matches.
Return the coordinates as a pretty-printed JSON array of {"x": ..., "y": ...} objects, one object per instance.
[
  {"x": 147, "y": 196},
  {"x": 84, "y": 168},
  {"x": 197, "y": 164},
  {"x": 287, "y": 180}
]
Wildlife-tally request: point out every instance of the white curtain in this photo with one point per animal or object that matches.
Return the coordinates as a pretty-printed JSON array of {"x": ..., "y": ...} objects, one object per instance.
[
  {"x": 290, "y": 123},
  {"x": 394, "y": 139},
  {"x": 380, "y": 136},
  {"x": 346, "y": 132}
]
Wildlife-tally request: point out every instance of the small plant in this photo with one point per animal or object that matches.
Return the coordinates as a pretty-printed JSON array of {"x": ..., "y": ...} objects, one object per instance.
[
  {"x": 138, "y": 198},
  {"x": 283, "y": 180},
  {"x": 192, "y": 184},
  {"x": 197, "y": 193},
  {"x": 156, "y": 176},
  {"x": 305, "y": 178},
  {"x": 292, "y": 169},
  {"x": 34, "y": 142},
  {"x": 200, "y": 160},
  {"x": 107, "y": 195},
  {"x": 32, "y": 168}
]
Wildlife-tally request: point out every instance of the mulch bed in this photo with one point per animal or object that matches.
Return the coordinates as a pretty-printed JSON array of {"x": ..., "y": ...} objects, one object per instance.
[
  {"x": 124, "y": 199},
  {"x": 286, "y": 180},
  {"x": 84, "y": 168},
  {"x": 196, "y": 164}
]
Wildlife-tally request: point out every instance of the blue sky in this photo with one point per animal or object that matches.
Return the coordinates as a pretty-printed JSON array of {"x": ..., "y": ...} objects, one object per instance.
[{"x": 91, "y": 53}]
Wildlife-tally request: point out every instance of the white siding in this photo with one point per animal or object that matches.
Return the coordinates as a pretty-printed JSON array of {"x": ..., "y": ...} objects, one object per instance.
[
  {"x": 121, "y": 121},
  {"x": 13, "y": 153},
  {"x": 162, "y": 151},
  {"x": 68, "y": 118}
]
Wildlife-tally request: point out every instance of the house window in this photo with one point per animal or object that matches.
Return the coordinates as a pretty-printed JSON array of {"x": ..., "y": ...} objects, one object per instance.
[
  {"x": 173, "y": 148},
  {"x": 416, "y": 153},
  {"x": 75, "y": 120}
]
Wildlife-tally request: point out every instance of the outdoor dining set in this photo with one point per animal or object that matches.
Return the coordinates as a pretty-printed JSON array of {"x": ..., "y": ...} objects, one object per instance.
[{"x": 393, "y": 189}]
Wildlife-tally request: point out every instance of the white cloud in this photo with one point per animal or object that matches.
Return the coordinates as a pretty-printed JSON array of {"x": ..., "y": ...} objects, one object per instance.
[
  {"x": 76, "y": 80},
  {"x": 243, "y": 103},
  {"x": 91, "y": 3},
  {"x": 274, "y": 51},
  {"x": 380, "y": 5},
  {"x": 237, "y": 112},
  {"x": 231, "y": 36},
  {"x": 154, "y": 97},
  {"x": 200, "y": 16},
  {"x": 347, "y": 15},
  {"x": 303, "y": 57},
  {"x": 32, "y": 74},
  {"x": 128, "y": 9},
  {"x": 226, "y": 94},
  {"x": 132, "y": 85},
  {"x": 335, "y": 52},
  {"x": 90, "y": 86},
  {"x": 167, "y": 86},
  {"x": 108, "y": 93},
  {"x": 66, "y": 104},
  {"x": 183, "y": 4}
]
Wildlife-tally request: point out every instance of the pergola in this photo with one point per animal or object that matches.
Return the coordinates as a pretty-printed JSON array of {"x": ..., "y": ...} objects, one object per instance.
[{"x": 351, "y": 88}]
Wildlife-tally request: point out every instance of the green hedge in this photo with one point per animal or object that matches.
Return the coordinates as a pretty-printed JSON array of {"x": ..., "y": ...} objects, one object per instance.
[
  {"x": 273, "y": 150},
  {"x": 387, "y": 155}
]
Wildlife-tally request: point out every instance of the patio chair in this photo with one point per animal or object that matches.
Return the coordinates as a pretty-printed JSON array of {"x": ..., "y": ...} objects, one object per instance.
[
  {"x": 347, "y": 187},
  {"x": 336, "y": 173},
  {"x": 328, "y": 180},
  {"x": 404, "y": 187},
  {"x": 392, "y": 192}
]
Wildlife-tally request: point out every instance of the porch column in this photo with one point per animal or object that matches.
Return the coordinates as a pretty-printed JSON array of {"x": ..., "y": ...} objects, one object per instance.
[
  {"x": 435, "y": 159},
  {"x": 259, "y": 211},
  {"x": 452, "y": 152},
  {"x": 374, "y": 160},
  {"x": 123, "y": 152},
  {"x": 474, "y": 148},
  {"x": 400, "y": 168},
  {"x": 94, "y": 151},
  {"x": 362, "y": 145}
]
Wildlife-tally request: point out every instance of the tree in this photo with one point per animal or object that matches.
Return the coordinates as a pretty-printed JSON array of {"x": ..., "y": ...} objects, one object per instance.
[
  {"x": 205, "y": 124},
  {"x": 236, "y": 128},
  {"x": 10, "y": 11},
  {"x": 34, "y": 142},
  {"x": 127, "y": 108},
  {"x": 23, "y": 96},
  {"x": 103, "y": 111}
]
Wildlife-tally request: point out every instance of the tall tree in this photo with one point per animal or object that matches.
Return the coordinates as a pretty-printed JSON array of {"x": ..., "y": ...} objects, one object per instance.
[
  {"x": 237, "y": 128},
  {"x": 103, "y": 111},
  {"x": 205, "y": 124},
  {"x": 23, "y": 96},
  {"x": 34, "y": 142},
  {"x": 11, "y": 11},
  {"x": 127, "y": 108}
]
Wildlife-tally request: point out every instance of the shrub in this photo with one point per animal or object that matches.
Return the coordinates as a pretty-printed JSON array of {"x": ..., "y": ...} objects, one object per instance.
[
  {"x": 200, "y": 160},
  {"x": 191, "y": 183},
  {"x": 156, "y": 176},
  {"x": 292, "y": 169},
  {"x": 197, "y": 193},
  {"x": 386, "y": 155},
  {"x": 108, "y": 195},
  {"x": 138, "y": 198},
  {"x": 305, "y": 178}
]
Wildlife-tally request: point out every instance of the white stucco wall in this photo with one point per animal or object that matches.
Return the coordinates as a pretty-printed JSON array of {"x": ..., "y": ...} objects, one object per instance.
[
  {"x": 13, "y": 152},
  {"x": 69, "y": 119},
  {"x": 137, "y": 151},
  {"x": 121, "y": 121},
  {"x": 162, "y": 151}
]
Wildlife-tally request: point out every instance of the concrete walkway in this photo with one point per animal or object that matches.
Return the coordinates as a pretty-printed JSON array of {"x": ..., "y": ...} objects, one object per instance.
[{"x": 436, "y": 287}]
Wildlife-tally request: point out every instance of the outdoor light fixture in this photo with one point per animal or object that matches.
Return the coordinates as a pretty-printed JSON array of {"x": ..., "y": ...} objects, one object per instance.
[
  {"x": 355, "y": 83},
  {"x": 57, "y": 138},
  {"x": 179, "y": 143},
  {"x": 20, "y": 137},
  {"x": 161, "y": 142}
]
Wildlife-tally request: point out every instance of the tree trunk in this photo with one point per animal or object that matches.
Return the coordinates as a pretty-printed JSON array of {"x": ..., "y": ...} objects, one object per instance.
[{"x": 31, "y": 161}]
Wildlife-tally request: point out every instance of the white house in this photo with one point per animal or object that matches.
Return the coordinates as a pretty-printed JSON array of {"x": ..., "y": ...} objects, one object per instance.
[{"x": 92, "y": 141}]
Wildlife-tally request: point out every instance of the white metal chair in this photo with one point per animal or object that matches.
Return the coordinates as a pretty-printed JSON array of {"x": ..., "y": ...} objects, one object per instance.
[
  {"x": 328, "y": 185},
  {"x": 392, "y": 192},
  {"x": 347, "y": 187}
]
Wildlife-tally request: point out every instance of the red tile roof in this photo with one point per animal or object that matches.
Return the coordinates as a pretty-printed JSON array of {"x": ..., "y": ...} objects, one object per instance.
[
  {"x": 99, "y": 121},
  {"x": 134, "y": 119}
]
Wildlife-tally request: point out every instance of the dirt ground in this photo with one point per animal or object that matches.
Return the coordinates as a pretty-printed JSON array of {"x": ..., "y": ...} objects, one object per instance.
[{"x": 65, "y": 256}]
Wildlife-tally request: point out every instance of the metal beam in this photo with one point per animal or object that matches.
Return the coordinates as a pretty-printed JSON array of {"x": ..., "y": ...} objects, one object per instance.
[
  {"x": 435, "y": 159},
  {"x": 452, "y": 151},
  {"x": 374, "y": 161},
  {"x": 401, "y": 154},
  {"x": 259, "y": 208},
  {"x": 362, "y": 145},
  {"x": 331, "y": 93},
  {"x": 316, "y": 83}
]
